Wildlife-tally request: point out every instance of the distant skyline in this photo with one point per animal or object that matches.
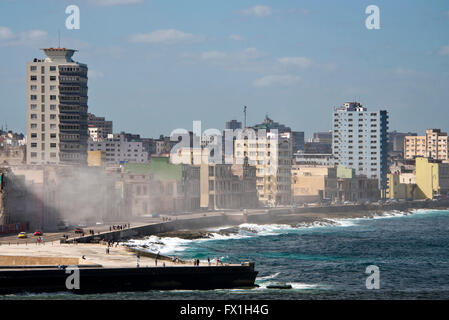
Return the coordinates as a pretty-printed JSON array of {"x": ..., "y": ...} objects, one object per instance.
[{"x": 155, "y": 66}]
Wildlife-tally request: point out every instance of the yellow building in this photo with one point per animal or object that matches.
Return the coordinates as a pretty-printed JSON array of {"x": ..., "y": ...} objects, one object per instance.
[
  {"x": 96, "y": 158},
  {"x": 432, "y": 178},
  {"x": 396, "y": 189}
]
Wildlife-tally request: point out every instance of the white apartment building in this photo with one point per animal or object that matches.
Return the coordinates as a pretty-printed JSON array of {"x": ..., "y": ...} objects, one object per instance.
[
  {"x": 359, "y": 140},
  {"x": 56, "y": 109},
  {"x": 271, "y": 154},
  {"x": 118, "y": 150}
]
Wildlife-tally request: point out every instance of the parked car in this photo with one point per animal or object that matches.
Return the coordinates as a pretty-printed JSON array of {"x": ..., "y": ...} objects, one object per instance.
[
  {"x": 22, "y": 235},
  {"x": 79, "y": 230},
  {"x": 38, "y": 233}
]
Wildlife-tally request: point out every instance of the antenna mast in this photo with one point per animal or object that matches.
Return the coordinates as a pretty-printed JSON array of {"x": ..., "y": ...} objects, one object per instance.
[{"x": 244, "y": 113}]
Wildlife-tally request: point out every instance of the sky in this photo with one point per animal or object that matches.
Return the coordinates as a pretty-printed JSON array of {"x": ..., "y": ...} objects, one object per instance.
[{"x": 157, "y": 65}]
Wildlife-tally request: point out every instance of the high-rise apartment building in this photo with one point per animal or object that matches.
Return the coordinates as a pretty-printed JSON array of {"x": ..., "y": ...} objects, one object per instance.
[
  {"x": 271, "y": 154},
  {"x": 359, "y": 140},
  {"x": 434, "y": 145},
  {"x": 56, "y": 109}
]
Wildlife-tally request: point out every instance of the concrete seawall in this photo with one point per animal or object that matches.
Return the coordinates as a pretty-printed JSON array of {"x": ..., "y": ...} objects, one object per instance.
[{"x": 274, "y": 215}]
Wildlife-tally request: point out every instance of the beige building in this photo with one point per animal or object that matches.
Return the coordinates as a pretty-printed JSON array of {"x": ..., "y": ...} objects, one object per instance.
[
  {"x": 434, "y": 144},
  {"x": 308, "y": 183},
  {"x": 271, "y": 154},
  {"x": 228, "y": 186},
  {"x": 56, "y": 109}
]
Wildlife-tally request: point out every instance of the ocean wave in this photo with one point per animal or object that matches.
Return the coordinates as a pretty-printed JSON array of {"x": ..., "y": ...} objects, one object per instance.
[
  {"x": 271, "y": 276},
  {"x": 171, "y": 245}
]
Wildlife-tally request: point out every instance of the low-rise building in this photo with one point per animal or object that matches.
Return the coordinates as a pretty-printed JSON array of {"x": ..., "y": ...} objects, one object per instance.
[
  {"x": 432, "y": 178},
  {"x": 308, "y": 183},
  {"x": 119, "y": 149},
  {"x": 228, "y": 186},
  {"x": 342, "y": 184}
]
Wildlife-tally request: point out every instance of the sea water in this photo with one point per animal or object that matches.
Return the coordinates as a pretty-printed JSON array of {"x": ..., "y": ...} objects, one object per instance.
[{"x": 320, "y": 261}]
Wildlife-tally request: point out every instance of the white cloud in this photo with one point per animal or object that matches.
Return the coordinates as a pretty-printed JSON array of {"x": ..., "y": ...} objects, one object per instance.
[
  {"x": 213, "y": 55},
  {"x": 258, "y": 11},
  {"x": 301, "y": 62},
  {"x": 166, "y": 36},
  {"x": 31, "y": 37},
  {"x": 444, "y": 51},
  {"x": 6, "y": 33},
  {"x": 236, "y": 37},
  {"x": 109, "y": 3},
  {"x": 276, "y": 80}
]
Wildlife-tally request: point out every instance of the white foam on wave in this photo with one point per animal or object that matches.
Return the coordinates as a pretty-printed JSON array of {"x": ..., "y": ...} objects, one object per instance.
[
  {"x": 156, "y": 244},
  {"x": 271, "y": 276},
  {"x": 167, "y": 245},
  {"x": 295, "y": 286}
]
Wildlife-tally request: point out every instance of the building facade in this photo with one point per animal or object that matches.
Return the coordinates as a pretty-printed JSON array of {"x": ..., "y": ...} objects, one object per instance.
[
  {"x": 359, "y": 140},
  {"x": 56, "y": 109},
  {"x": 103, "y": 127},
  {"x": 118, "y": 149},
  {"x": 271, "y": 155},
  {"x": 434, "y": 144},
  {"x": 432, "y": 178}
]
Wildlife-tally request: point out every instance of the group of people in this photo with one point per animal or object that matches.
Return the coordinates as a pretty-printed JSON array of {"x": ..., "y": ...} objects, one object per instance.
[
  {"x": 119, "y": 227},
  {"x": 196, "y": 262}
]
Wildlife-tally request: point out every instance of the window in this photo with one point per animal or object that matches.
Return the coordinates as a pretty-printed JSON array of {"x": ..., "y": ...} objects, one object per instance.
[
  {"x": 33, "y": 144},
  {"x": 52, "y": 126},
  {"x": 52, "y": 87},
  {"x": 52, "y": 78},
  {"x": 33, "y": 116},
  {"x": 52, "y": 97},
  {"x": 52, "y": 68},
  {"x": 33, "y": 154},
  {"x": 52, "y": 145},
  {"x": 53, "y": 135},
  {"x": 34, "y": 135},
  {"x": 33, "y": 126},
  {"x": 52, "y": 107},
  {"x": 33, "y": 78},
  {"x": 52, "y": 117},
  {"x": 33, "y": 68},
  {"x": 33, "y": 97},
  {"x": 33, "y": 106},
  {"x": 33, "y": 87}
]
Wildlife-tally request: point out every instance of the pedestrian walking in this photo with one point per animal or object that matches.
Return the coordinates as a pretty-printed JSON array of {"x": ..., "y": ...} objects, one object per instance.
[{"x": 208, "y": 261}]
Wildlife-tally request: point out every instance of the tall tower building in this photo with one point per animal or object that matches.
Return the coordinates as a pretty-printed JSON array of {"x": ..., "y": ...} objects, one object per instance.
[
  {"x": 56, "y": 109},
  {"x": 359, "y": 140}
]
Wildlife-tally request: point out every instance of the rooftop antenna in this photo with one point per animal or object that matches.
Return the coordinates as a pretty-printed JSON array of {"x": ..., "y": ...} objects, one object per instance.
[{"x": 244, "y": 112}]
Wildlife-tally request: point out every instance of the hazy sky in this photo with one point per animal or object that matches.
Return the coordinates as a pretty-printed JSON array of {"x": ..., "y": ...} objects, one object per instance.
[{"x": 157, "y": 65}]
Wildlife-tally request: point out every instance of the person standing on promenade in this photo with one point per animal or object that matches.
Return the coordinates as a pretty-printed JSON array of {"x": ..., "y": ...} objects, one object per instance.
[{"x": 208, "y": 261}]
